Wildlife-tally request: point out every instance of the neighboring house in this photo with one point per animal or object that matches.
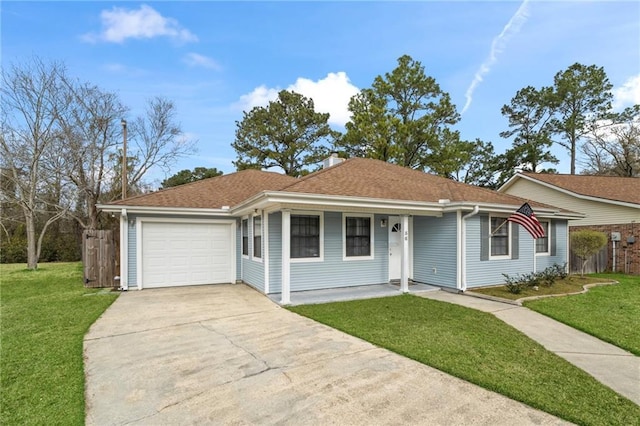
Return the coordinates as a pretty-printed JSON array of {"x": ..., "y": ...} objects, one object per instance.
[
  {"x": 610, "y": 204},
  {"x": 355, "y": 223}
]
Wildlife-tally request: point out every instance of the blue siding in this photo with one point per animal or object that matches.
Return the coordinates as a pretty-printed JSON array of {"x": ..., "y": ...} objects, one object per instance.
[
  {"x": 275, "y": 252},
  {"x": 253, "y": 270},
  {"x": 333, "y": 271},
  {"x": 482, "y": 273},
  {"x": 560, "y": 237},
  {"x": 435, "y": 250}
]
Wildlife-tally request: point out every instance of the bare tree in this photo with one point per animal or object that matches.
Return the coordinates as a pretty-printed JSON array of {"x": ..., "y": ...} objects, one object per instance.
[
  {"x": 29, "y": 107},
  {"x": 157, "y": 140},
  {"x": 92, "y": 133},
  {"x": 613, "y": 145}
]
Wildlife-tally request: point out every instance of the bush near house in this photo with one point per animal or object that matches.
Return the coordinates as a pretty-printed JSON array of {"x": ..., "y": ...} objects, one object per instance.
[{"x": 516, "y": 283}]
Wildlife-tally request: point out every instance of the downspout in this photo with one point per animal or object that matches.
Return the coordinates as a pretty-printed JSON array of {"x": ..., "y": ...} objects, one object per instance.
[{"x": 463, "y": 248}]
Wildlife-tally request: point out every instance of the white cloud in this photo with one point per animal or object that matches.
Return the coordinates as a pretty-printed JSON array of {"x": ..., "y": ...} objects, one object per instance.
[
  {"x": 330, "y": 95},
  {"x": 498, "y": 45},
  {"x": 628, "y": 94},
  {"x": 196, "y": 60},
  {"x": 119, "y": 24}
]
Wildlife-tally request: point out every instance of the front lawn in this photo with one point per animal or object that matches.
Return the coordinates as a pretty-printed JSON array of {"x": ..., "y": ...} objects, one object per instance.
[
  {"x": 481, "y": 349},
  {"x": 45, "y": 315},
  {"x": 611, "y": 313}
]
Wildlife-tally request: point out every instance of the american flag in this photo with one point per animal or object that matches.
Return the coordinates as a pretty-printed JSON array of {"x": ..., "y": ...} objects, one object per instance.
[{"x": 525, "y": 217}]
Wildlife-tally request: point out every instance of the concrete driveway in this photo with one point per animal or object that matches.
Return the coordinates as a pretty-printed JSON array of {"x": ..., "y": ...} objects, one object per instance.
[{"x": 226, "y": 354}]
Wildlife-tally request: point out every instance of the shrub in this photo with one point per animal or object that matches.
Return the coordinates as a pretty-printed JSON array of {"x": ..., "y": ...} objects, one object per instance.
[
  {"x": 587, "y": 243},
  {"x": 516, "y": 283}
]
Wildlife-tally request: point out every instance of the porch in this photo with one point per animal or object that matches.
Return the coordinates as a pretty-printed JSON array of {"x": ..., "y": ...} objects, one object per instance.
[{"x": 341, "y": 294}]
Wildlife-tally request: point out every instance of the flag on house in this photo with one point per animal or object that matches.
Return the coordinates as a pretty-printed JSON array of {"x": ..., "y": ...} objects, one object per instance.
[{"x": 525, "y": 217}]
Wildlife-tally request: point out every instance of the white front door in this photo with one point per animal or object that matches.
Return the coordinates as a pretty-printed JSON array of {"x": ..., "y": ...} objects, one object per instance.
[{"x": 395, "y": 247}]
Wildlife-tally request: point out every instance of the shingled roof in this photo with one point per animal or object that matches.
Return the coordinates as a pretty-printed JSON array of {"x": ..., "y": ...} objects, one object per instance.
[
  {"x": 213, "y": 193},
  {"x": 364, "y": 177},
  {"x": 625, "y": 189},
  {"x": 355, "y": 177}
]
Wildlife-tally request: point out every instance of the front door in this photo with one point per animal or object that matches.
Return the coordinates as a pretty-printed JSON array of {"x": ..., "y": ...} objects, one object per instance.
[{"x": 395, "y": 248}]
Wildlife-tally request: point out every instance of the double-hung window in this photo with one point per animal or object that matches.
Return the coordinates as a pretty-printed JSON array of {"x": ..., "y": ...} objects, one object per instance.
[
  {"x": 358, "y": 236},
  {"x": 499, "y": 236},
  {"x": 542, "y": 244},
  {"x": 257, "y": 237},
  {"x": 305, "y": 236},
  {"x": 245, "y": 237}
]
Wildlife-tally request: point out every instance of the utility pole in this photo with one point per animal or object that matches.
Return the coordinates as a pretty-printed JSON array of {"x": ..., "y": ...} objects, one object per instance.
[{"x": 124, "y": 158}]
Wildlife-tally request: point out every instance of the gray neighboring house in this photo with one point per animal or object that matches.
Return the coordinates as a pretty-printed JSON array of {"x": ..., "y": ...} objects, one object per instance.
[
  {"x": 610, "y": 204},
  {"x": 355, "y": 222}
]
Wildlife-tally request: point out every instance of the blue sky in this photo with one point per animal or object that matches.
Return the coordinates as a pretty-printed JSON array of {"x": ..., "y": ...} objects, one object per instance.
[{"x": 215, "y": 59}]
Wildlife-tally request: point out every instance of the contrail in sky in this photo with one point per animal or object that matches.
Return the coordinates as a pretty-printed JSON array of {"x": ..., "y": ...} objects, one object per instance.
[{"x": 497, "y": 46}]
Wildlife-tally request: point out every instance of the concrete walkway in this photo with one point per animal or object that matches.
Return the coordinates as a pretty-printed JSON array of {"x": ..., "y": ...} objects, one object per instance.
[
  {"x": 612, "y": 366},
  {"x": 226, "y": 354}
]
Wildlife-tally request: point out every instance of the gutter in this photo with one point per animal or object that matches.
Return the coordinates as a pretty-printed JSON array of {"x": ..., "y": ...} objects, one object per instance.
[{"x": 462, "y": 247}]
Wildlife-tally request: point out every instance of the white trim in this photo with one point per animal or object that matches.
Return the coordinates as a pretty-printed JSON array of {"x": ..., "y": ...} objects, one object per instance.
[
  {"x": 245, "y": 256},
  {"x": 371, "y": 237},
  {"x": 404, "y": 268},
  {"x": 124, "y": 249},
  {"x": 511, "y": 181},
  {"x": 462, "y": 247},
  {"x": 285, "y": 292},
  {"x": 186, "y": 211},
  {"x": 265, "y": 250},
  {"x": 320, "y": 257},
  {"x": 509, "y": 248},
  {"x": 253, "y": 238},
  {"x": 139, "y": 246},
  {"x": 549, "y": 236}
]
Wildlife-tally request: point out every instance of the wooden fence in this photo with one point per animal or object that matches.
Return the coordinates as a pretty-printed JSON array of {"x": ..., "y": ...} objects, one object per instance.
[
  {"x": 98, "y": 257},
  {"x": 597, "y": 263}
]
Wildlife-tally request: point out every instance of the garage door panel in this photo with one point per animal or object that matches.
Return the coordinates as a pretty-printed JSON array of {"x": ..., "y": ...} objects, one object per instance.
[{"x": 175, "y": 254}]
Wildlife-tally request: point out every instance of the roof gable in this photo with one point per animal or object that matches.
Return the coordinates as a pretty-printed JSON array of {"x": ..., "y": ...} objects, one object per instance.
[{"x": 613, "y": 188}]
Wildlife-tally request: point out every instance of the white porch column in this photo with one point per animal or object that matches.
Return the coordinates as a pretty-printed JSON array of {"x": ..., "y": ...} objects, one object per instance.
[
  {"x": 286, "y": 253},
  {"x": 404, "y": 275}
]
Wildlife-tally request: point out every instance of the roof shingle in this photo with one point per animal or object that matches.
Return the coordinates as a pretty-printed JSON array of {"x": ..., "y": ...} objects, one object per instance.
[{"x": 615, "y": 188}]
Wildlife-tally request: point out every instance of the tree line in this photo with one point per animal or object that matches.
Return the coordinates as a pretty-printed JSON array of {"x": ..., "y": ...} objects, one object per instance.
[
  {"x": 407, "y": 119},
  {"x": 61, "y": 142},
  {"x": 61, "y": 150}
]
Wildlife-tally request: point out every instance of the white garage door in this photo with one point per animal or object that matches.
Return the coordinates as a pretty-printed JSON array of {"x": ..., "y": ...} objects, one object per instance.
[{"x": 177, "y": 254}]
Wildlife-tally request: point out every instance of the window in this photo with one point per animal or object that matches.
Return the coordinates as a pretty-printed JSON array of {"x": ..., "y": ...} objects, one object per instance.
[
  {"x": 257, "y": 236},
  {"x": 499, "y": 236},
  {"x": 245, "y": 237},
  {"x": 357, "y": 236},
  {"x": 542, "y": 244},
  {"x": 305, "y": 236}
]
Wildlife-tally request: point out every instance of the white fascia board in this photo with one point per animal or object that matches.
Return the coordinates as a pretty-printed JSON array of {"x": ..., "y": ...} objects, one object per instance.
[
  {"x": 568, "y": 192},
  {"x": 266, "y": 199},
  {"x": 541, "y": 212},
  {"x": 190, "y": 211}
]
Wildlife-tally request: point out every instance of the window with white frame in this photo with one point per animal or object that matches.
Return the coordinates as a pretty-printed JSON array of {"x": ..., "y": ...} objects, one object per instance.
[
  {"x": 257, "y": 237},
  {"x": 305, "y": 236},
  {"x": 542, "y": 244},
  {"x": 358, "y": 236},
  {"x": 499, "y": 236},
  {"x": 245, "y": 237}
]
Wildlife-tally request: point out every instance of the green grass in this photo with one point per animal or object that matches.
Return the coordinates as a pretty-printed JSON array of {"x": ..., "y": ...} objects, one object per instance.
[
  {"x": 481, "y": 349},
  {"x": 571, "y": 284},
  {"x": 44, "y": 316},
  {"x": 611, "y": 313}
]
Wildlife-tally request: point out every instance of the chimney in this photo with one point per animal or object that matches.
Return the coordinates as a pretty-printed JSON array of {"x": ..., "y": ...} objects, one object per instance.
[{"x": 332, "y": 160}]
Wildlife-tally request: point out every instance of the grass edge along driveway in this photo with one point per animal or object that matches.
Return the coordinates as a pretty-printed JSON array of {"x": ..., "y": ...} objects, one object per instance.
[
  {"x": 481, "y": 349},
  {"x": 611, "y": 313},
  {"x": 45, "y": 315}
]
